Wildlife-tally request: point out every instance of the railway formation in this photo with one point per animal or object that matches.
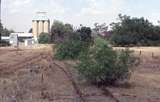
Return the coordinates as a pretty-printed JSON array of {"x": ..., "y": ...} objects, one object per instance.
[{"x": 66, "y": 77}]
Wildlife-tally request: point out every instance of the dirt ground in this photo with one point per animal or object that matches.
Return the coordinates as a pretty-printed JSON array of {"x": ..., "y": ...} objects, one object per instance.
[
  {"x": 145, "y": 80},
  {"x": 29, "y": 75}
]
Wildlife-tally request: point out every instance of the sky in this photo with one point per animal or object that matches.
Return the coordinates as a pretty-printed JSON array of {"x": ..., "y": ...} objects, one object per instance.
[{"x": 18, "y": 14}]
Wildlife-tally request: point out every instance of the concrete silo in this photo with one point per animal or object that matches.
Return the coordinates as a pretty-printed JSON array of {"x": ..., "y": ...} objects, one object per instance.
[
  {"x": 41, "y": 27},
  {"x": 40, "y": 24},
  {"x": 46, "y": 26},
  {"x": 35, "y": 29}
]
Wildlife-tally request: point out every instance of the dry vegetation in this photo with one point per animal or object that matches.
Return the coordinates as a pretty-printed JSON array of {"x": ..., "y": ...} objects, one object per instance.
[
  {"x": 28, "y": 75},
  {"x": 145, "y": 82}
]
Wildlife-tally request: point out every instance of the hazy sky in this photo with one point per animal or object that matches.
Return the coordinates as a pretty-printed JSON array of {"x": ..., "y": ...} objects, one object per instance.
[{"x": 18, "y": 14}]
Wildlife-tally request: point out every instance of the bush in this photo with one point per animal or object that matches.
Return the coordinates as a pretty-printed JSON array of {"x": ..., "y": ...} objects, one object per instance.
[
  {"x": 4, "y": 43},
  {"x": 85, "y": 34},
  {"x": 44, "y": 38},
  {"x": 69, "y": 49},
  {"x": 60, "y": 31},
  {"x": 101, "y": 64},
  {"x": 75, "y": 43}
]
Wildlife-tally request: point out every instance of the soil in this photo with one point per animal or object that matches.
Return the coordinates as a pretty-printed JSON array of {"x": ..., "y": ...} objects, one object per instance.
[
  {"x": 31, "y": 75},
  {"x": 144, "y": 85}
]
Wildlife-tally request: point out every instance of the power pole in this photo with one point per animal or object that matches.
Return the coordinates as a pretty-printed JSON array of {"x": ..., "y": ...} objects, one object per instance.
[
  {"x": 0, "y": 10},
  {"x": 0, "y": 20}
]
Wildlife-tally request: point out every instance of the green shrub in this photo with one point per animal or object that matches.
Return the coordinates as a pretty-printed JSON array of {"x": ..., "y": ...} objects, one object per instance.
[
  {"x": 44, "y": 38},
  {"x": 69, "y": 49},
  {"x": 101, "y": 64},
  {"x": 4, "y": 43}
]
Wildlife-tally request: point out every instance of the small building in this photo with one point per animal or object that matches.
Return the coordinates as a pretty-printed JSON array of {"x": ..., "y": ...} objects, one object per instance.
[
  {"x": 29, "y": 42},
  {"x": 15, "y": 38},
  {"x": 22, "y": 36},
  {"x": 5, "y": 38}
]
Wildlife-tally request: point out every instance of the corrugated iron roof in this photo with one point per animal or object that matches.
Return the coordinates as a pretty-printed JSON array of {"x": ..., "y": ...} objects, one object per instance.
[
  {"x": 5, "y": 37},
  {"x": 23, "y": 34}
]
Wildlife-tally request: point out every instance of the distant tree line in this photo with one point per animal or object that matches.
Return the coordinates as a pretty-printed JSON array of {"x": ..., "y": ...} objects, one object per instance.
[
  {"x": 133, "y": 31},
  {"x": 129, "y": 31},
  {"x": 60, "y": 31},
  {"x": 1, "y": 28},
  {"x": 5, "y": 31}
]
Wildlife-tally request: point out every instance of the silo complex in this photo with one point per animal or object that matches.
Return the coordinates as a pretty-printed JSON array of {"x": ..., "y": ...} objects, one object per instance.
[
  {"x": 35, "y": 28},
  {"x": 40, "y": 24},
  {"x": 46, "y": 26}
]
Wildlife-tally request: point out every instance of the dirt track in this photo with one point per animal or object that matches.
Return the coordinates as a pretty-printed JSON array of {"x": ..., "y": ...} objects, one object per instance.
[{"x": 30, "y": 75}]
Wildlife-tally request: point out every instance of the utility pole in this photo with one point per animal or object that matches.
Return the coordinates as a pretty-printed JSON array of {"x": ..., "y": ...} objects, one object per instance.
[
  {"x": 0, "y": 20},
  {"x": 0, "y": 10}
]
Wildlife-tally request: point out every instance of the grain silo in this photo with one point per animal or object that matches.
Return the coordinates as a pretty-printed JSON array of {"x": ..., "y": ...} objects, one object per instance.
[
  {"x": 35, "y": 28},
  {"x": 40, "y": 24},
  {"x": 46, "y": 26}
]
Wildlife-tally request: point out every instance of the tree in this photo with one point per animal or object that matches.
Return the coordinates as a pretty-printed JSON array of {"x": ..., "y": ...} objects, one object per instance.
[
  {"x": 77, "y": 42},
  {"x": 101, "y": 30},
  {"x": 102, "y": 65},
  {"x": 100, "y": 27},
  {"x": 44, "y": 38},
  {"x": 133, "y": 30},
  {"x": 1, "y": 29},
  {"x": 6, "y": 32},
  {"x": 60, "y": 31},
  {"x": 85, "y": 34},
  {"x": 69, "y": 49},
  {"x": 30, "y": 30}
]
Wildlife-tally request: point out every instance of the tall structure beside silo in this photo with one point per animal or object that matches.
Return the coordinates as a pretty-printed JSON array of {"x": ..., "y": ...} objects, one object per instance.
[{"x": 40, "y": 24}]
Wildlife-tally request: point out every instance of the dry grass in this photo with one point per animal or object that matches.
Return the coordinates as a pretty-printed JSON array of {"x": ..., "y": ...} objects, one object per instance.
[
  {"x": 145, "y": 81},
  {"x": 25, "y": 84}
]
